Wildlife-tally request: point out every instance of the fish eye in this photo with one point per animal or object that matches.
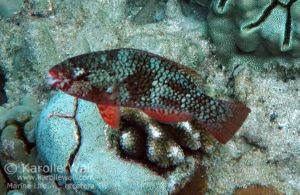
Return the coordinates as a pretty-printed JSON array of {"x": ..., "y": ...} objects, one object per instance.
[{"x": 78, "y": 71}]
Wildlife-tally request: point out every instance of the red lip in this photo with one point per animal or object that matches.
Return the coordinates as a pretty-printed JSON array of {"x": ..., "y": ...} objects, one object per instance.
[{"x": 52, "y": 78}]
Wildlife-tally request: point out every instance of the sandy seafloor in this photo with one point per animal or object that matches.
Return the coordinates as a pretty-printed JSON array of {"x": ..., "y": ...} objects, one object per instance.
[{"x": 37, "y": 34}]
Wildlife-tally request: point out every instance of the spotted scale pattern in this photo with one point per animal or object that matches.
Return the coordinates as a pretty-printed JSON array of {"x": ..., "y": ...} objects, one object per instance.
[{"x": 151, "y": 81}]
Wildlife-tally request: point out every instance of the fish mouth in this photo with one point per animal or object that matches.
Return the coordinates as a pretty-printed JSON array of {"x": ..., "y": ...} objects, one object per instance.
[
  {"x": 51, "y": 80},
  {"x": 56, "y": 81}
]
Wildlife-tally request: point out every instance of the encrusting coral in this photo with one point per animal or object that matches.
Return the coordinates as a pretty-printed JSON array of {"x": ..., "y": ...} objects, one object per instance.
[
  {"x": 17, "y": 141},
  {"x": 17, "y": 128}
]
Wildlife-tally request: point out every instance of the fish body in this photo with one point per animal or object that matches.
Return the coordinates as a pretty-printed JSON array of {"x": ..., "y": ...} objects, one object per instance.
[{"x": 165, "y": 90}]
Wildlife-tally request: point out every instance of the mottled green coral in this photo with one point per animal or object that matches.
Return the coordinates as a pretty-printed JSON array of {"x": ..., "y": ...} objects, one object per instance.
[{"x": 258, "y": 32}]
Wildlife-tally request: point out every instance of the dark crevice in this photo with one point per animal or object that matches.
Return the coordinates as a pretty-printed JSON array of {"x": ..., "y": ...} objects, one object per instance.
[
  {"x": 254, "y": 144},
  {"x": 241, "y": 52},
  {"x": 263, "y": 17},
  {"x": 288, "y": 26},
  {"x": 194, "y": 9},
  {"x": 287, "y": 33},
  {"x": 3, "y": 97},
  {"x": 7, "y": 181},
  {"x": 78, "y": 133},
  {"x": 21, "y": 135},
  {"x": 221, "y": 4},
  {"x": 231, "y": 80},
  {"x": 162, "y": 172}
]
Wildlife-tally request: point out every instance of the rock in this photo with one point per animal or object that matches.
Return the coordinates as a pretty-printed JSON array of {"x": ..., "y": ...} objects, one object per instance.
[
  {"x": 9, "y": 8},
  {"x": 151, "y": 11}
]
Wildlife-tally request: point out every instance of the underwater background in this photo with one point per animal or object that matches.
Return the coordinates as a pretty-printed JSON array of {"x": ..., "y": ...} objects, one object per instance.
[{"x": 245, "y": 50}]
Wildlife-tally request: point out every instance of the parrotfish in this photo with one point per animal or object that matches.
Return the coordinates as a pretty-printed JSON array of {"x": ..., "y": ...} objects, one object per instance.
[{"x": 163, "y": 89}]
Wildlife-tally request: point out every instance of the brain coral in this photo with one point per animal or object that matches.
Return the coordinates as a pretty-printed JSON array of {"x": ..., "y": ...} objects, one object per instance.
[{"x": 264, "y": 31}]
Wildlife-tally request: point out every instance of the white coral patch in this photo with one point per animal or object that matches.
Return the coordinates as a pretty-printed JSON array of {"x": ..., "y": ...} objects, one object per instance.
[
  {"x": 186, "y": 126},
  {"x": 196, "y": 136},
  {"x": 174, "y": 151},
  {"x": 126, "y": 136},
  {"x": 154, "y": 131}
]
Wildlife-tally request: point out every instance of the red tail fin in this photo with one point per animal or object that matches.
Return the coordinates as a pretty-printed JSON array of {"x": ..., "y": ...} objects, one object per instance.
[{"x": 225, "y": 130}]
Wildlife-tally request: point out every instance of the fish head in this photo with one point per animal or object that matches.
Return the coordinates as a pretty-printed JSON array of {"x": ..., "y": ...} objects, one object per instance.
[
  {"x": 60, "y": 77},
  {"x": 80, "y": 79}
]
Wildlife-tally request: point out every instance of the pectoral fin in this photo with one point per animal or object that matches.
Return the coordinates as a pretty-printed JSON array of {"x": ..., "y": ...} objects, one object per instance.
[{"x": 110, "y": 114}]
